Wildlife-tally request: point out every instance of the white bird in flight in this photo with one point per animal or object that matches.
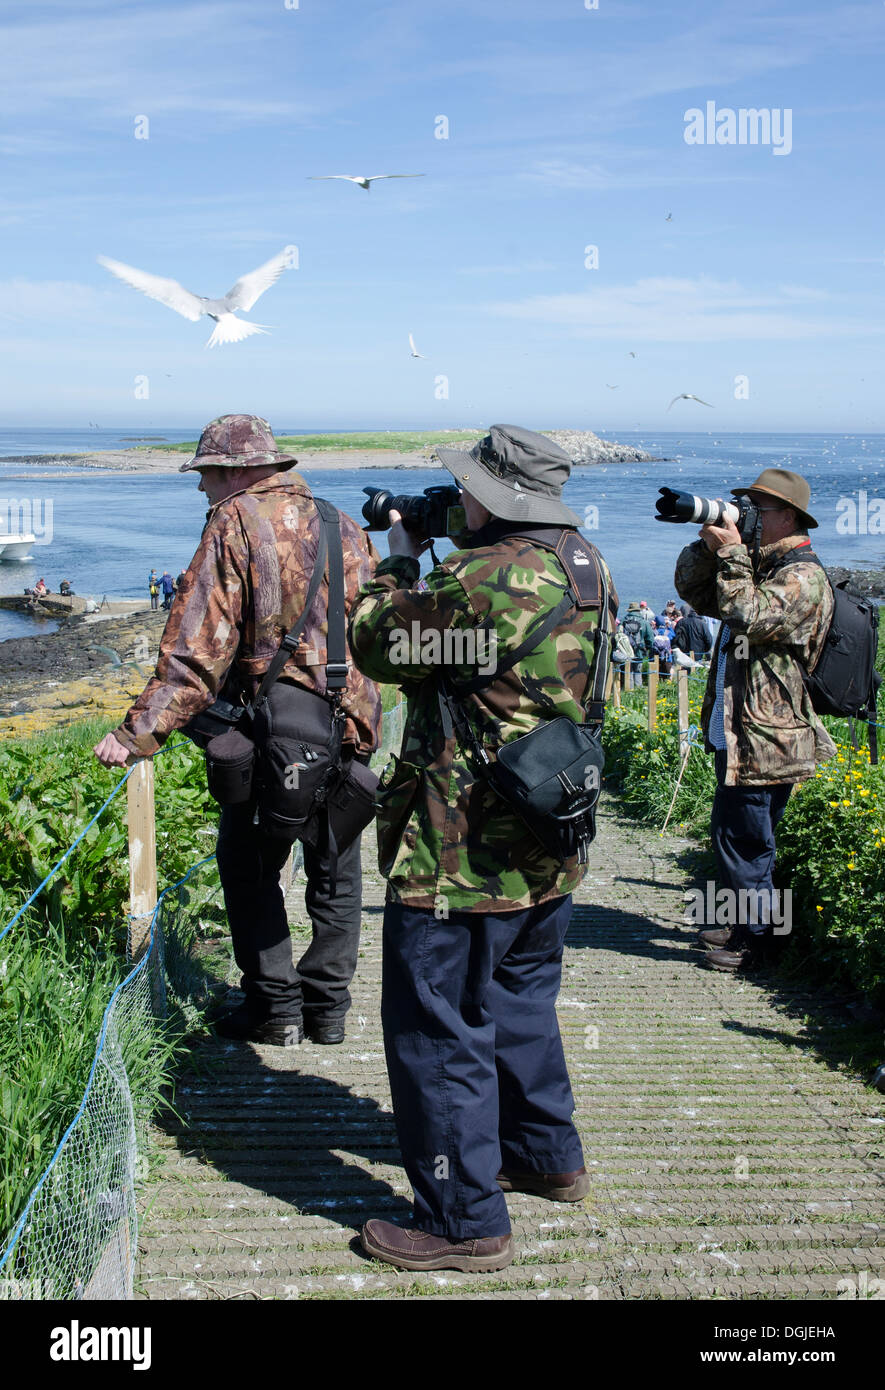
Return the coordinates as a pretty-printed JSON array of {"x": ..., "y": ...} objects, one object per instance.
[
  {"x": 687, "y": 396},
  {"x": 414, "y": 351},
  {"x": 364, "y": 179},
  {"x": 228, "y": 328}
]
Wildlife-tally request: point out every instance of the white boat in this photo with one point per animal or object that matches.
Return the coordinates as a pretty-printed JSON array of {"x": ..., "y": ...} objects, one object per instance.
[{"x": 16, "y": 546}]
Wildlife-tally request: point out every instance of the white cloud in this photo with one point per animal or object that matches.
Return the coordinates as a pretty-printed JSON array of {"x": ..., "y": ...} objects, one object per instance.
[{"x": 668, "y": 309}]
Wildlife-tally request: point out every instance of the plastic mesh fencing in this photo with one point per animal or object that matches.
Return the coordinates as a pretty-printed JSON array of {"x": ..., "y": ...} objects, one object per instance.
[{"x": 77, "y": 1235}]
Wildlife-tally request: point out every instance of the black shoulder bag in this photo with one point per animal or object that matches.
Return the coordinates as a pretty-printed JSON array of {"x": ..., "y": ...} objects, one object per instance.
[{"x": 551, "y": 776}]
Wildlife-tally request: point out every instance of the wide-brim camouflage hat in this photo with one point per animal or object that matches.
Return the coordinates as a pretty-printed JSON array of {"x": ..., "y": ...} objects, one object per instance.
[
  {"x": 237, "y": 441},
  {"x": 788, "y": 487},
  {"x": 515, "y": 474}
]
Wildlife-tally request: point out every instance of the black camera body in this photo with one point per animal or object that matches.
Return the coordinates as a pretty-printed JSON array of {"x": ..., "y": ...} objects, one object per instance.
[{"x": 437, "y": 511}]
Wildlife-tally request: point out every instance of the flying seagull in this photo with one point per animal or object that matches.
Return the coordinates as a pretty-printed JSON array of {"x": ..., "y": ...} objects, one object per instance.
[
  {"x": 611, "y": 388},
  {"x": 228, "y": 328},
  {"x": 631, "y": 354},
  {"x": 687, "y": 396},
  {"x": 414, "y": 351},
  {"x": 669, "y": 217},
  {"x": 364, "y": 179}
]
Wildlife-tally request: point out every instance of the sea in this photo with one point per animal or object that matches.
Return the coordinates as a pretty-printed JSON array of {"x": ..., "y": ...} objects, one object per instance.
[{"x": 110, "y": 529}]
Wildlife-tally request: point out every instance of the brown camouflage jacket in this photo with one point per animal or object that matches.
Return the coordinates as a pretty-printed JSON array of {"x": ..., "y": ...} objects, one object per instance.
[
  {"x": 445, "y": 840},
  {"x": 241, "y": 593},
  {"x": 778, "y": 626}
]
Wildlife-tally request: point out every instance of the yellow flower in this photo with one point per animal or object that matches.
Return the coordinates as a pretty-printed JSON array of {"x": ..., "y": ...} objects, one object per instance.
[
  {"x": 818, "y": 908},
  {"x": 863, "y": 791},
  {"x": 846, "y": 803},
  {"x": 834, "y": 803},
  {"x": 851, "y": 863}
]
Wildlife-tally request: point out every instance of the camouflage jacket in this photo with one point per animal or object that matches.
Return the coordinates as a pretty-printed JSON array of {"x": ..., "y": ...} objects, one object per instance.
[
  {"x": 445, "y": 840},
  {"x": 241, "y": 593},
  {"x": 771, "y": 731}
]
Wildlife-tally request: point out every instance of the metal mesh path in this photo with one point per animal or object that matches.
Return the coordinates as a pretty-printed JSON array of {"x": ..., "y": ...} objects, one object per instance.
[{"x": 733, "y": 1152}]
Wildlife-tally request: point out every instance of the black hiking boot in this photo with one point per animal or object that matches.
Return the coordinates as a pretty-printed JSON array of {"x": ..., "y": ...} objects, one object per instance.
[{"x": 241, "y": 1025}]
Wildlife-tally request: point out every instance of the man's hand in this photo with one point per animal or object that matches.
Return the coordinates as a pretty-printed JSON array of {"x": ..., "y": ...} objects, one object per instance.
[
  {"x": 402, "y": 542},
  {"x": 112, "y": 753},
  {"x": 715, "y": 537}
]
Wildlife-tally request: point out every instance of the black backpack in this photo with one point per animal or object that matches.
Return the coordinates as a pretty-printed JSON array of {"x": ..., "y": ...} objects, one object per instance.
[{"x": 844, "y": 681}]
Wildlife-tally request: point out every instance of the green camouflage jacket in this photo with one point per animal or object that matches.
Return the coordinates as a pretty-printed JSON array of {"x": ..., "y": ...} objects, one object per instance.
[
  {"x": 445, "y": 840},
  {"x": 241, "y": 593},
  {"x": 771, "y": 731}
]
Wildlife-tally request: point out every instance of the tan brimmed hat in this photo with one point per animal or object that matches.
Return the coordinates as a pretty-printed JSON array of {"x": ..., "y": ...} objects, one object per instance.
[{"x": 789, "y": 488}]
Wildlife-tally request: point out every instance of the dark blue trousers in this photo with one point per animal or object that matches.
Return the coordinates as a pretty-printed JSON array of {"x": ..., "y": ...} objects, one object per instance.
[
  {"x": 742, "y": 828},
  {"x": 475, "y": 1059}
]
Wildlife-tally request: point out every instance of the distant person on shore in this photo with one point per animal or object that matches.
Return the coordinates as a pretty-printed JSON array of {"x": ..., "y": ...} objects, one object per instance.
[
  {"x": 65, "y": 589},
  {"x": 179, "y": 581},
  {"x": 154, "y": 589},
  {"x": 757, "y": 716},
  {"x": 40, "y": 588},
  {"x": 167, "y": 584}
]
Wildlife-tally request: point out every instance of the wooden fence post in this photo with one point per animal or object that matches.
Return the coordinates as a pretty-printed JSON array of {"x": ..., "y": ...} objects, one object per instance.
[
  {"x": 653, "y": 669},
  {"x": 142, "y": 855},
  {"x": 682, "y": 707}
]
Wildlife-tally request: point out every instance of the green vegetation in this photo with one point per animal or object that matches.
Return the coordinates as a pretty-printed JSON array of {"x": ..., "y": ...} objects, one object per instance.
[
  {"x": 831, "y": 841},
  {"x": 403, "y": 441},
  {"x": 61, "y": 961}
]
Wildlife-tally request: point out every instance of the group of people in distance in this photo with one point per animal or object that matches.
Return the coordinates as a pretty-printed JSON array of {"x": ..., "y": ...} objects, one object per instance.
[
  {"x": 163, "y": 584},
  {"x": 678, "y": 636}
]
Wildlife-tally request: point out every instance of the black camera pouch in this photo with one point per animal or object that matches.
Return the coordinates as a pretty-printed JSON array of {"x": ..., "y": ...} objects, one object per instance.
[
  {"x": 230, "y": 762},
  {"x": 551, "y": 777}
]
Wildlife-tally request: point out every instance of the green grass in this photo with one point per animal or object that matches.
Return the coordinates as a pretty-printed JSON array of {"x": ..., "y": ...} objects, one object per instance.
[{"x": 402, "y": 441}]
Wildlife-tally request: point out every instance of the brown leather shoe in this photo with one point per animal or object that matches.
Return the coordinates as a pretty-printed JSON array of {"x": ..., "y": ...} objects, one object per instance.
[
  {"x": 409, "y": 1248},
  {"x": 716, "y": 937},
  {"x": 556, "y": 1187}
]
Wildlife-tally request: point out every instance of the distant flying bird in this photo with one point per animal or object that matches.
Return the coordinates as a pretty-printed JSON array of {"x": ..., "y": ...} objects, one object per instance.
[
  {"x": 631, "y": 354},
  {"x": 669, "y": 217},
  {"x": 228, "y": 328},
  {"x": 611, "y": 388},
  {"x": 687, "y": 396},
  {"x": 364, "y": 179},
  {"x": 414, "y": 351}
]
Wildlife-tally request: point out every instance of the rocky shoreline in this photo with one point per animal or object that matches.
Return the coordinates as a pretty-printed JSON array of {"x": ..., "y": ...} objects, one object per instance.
[
  {"x": 861, "y": 583},
  {"x": 583, "y": 446}
]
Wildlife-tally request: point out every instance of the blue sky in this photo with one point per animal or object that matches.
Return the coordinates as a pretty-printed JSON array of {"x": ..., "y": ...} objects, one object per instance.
[{"x": 566, "y": 129}]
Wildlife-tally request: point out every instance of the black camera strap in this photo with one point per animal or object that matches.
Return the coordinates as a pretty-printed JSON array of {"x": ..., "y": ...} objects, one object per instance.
[
  {"x": 328, "y": 543},
  {"x": 584, "y": 590}
]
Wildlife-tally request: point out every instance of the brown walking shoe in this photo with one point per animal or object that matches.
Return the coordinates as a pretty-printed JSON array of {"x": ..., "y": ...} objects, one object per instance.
[
  {"x": 409, "y": 1248},
  {"x": 716, "y": 937},
  {"x": 556, "y": 1187}
]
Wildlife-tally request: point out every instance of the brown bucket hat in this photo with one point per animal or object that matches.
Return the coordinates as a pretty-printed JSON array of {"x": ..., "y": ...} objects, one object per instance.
[
  {"x": 516, "y": 474},
  {"x": 789, "y": 488},
  {"x": 237, "y": 441}
]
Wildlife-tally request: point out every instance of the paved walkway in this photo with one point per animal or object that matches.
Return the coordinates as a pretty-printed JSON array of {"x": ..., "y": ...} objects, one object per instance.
[{"x": 733, "y": 1150}]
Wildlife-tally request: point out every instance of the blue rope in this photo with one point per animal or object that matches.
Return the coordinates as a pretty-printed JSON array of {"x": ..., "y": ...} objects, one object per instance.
[
  {"x": 19, "y": 1227},
  {"x": 69, "y": 851}
]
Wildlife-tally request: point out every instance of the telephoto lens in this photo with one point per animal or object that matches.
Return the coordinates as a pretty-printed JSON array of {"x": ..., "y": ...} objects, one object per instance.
[{"x": 684, "y": 506}]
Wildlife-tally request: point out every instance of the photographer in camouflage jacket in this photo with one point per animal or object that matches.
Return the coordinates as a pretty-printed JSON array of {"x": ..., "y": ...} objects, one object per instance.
[
  {"x": 238, "y": 597},
  {"x": 476, "y": 911},
  {"x": 757, "y": 716}
]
